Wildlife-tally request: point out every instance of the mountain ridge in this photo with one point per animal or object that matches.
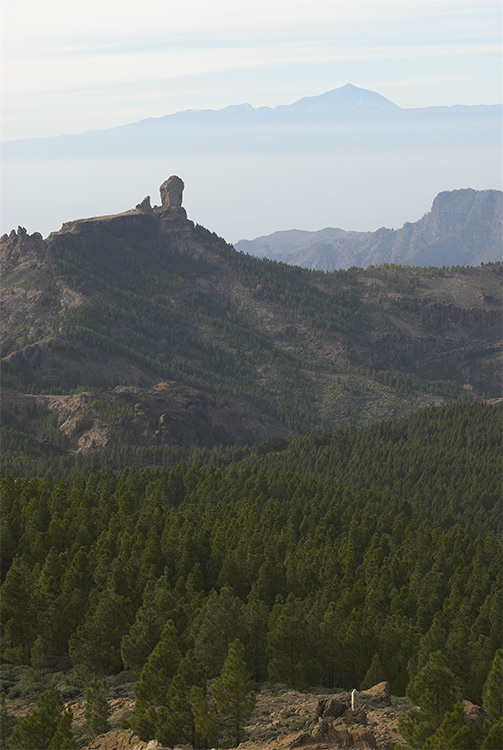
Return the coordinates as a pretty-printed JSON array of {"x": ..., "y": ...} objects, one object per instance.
[
  {"x": 246, "y": 348},
  {"x": 463, "y": 227}
]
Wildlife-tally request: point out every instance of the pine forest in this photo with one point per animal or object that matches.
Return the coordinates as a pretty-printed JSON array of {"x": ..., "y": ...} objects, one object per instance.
[{"x": 336, "y": 560}]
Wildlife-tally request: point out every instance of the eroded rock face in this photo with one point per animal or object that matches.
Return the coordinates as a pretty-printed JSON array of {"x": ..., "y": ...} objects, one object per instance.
[{"x": 171, "y": 192}]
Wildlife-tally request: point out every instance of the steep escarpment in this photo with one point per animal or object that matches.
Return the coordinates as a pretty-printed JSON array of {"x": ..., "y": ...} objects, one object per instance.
[{"x": 463, "y": 227}]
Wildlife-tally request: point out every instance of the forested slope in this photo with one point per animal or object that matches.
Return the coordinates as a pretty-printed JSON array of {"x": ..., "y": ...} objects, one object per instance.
[{"x": 333, "y": 564}]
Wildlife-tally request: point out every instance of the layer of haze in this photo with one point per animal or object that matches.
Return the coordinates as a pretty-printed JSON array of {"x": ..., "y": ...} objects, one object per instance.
[
  {"x": 252, "y": 195},
  {"x": 93, "y": 64}
]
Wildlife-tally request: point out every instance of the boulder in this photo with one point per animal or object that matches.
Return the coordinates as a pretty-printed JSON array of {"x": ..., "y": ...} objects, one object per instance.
[
  {"x": 380, "y": 693},
  {"x": 171, "y": 192},
  {"x": 330, "y": 708}
]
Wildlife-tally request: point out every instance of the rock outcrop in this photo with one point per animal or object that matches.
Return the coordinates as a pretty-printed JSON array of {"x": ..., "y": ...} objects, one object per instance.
[
  {"x": 171, "y": 217},
  {"x": 145, "y": 206},
  {"x": 284, "y": 718},
  {"x": 337, "y": 725},
  {"x": 123, "y": 739},
  {"x": 330, "y": 708},
  {"x": 378, "y": 694},
  {"x": 171, "y": 192},
  {"x": 166, "y": 414}
]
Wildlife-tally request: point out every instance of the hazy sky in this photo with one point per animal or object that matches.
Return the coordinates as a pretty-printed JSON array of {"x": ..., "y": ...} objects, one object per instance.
[{"x": 75, "y": 65}]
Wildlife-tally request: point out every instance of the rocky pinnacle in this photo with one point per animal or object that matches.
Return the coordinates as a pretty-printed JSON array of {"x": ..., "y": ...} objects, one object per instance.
[{"x": 171, "y": 192}]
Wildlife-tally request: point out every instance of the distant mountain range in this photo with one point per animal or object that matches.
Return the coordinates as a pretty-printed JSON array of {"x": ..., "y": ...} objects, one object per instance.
[
  {"x": 345, "y": 117},
  {"x": 464, "y": 227}
]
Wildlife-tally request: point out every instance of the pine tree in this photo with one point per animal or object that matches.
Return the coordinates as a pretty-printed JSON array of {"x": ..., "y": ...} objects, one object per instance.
[
  {"x": 19, "y": 620},
  {"x": 416, "y": 729},
  {"x": 453, "y": 733},
  {"x": 138, "y": 643},
  {"x": 205, "y": 721},
  {"x": 75, "y": 585},
  {"x": 219, "y": 622},
  {"x": 175, "y": 721},
  {"x": 256, "y": 616},
  {"x": 151, "y": 690},
  {"x": 330, "y": 645},
  {"x": 145, "y": 632},
  {"x": 434, "y": 688},
  {"x": 97, "y": 709},
  {"x": 492, "y": 693},
  {"x": 232, "y": 694},
  {"x": 37, "y": 730},
  {"x": 95, "y": 645},
  {"x": 161, "y": 667},
  {"x": 433, "y": 640},
  {"x": 494, "y": 738},
  {"x": 397, "y": 640},
  {"x": 63, "y": 738},
  {"x": 356, "y": 638},
  {"x": 288, "y": 643},
  {"x": 46, "y": 592}
]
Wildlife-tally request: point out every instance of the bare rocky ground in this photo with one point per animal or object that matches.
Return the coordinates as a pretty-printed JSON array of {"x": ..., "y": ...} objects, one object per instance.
[{"x": 284, "y": 718}]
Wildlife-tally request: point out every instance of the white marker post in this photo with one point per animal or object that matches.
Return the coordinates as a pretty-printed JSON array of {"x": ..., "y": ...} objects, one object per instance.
[{"x": 353, "y": 700}]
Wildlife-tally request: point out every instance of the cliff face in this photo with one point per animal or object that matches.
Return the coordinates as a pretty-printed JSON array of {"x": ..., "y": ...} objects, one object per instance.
[{"x": 464, "y": 227}]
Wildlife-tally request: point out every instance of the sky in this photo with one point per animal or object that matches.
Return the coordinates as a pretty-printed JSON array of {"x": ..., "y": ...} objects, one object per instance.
[{"x": 69, "y": 67}]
